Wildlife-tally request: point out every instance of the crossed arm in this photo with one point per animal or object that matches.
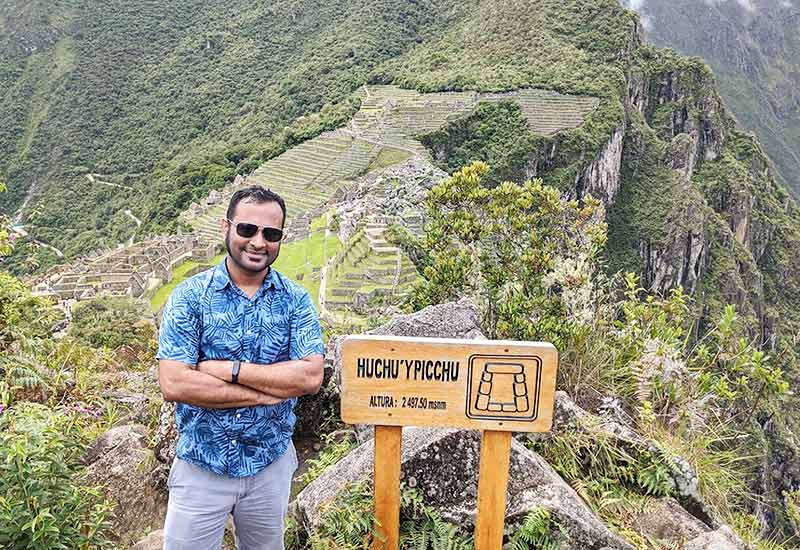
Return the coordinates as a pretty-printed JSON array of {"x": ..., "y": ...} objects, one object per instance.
[{"x": 209, "y": 384}]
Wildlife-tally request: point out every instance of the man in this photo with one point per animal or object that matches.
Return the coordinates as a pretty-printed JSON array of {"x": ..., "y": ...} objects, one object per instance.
[{"x": 238, "y": 344}]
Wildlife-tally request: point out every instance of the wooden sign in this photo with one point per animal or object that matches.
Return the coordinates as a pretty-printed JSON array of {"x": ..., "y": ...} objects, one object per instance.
[{"x": 474, "y": 384}]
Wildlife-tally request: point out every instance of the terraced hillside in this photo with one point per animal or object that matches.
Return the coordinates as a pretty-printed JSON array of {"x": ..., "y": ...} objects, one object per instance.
[
  {"x": 319, "y": 174},
  {"x": 316, "y": 172}
]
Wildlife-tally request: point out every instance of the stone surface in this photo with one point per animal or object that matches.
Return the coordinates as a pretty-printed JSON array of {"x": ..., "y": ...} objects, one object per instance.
[
  {"x": 721, "y": 539},
  {"x": 601, "y": 178},
  {"x": 666, "y": 521},
  {"x": 568, "y": 415},
  {"x": 114, "y": 462},
  {"x": 443, "y": 464},
  {"x": 153, "y": 541}
]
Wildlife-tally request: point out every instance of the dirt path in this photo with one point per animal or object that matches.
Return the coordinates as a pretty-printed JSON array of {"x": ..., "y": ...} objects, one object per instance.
[{"x": 93, "y": 179}]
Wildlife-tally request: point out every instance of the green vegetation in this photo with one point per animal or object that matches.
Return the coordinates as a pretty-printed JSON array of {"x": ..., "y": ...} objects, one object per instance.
[
  {"x": 171, "y": 101},
  {"x": 179, "y": 274},
  {"x": 302, "y": 260},
  {"x": 758, "y": 91},
  {"x": 111, "y": 323},
  {"x": 496, "y": 134},
  {"x": 52, "y": 406},
  {"x": 388, "y": 157},
  {"x": 532, "y": 264},
  {"x": 42, "y": 506}
]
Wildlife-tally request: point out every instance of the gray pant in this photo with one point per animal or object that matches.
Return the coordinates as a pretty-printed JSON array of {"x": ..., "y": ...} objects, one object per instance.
[{"x": 200, "y": 502}]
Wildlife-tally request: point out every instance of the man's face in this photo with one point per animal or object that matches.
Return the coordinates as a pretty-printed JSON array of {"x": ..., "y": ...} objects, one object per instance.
[{"x": 254, "y": 254}]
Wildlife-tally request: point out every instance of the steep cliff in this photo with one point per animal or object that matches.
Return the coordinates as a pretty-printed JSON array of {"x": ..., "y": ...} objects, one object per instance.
[
  {"x": 752, "y": 46},
  {"x": 692, "y": 201}
]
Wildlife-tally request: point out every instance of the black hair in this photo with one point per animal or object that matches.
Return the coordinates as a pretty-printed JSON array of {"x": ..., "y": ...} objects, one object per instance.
[{"x": 258, "y": 195}]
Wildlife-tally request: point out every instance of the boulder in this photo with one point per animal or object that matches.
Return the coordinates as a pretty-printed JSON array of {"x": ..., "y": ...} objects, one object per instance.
[
  {"x": 720, "y": 539},
  {"x": 114, "y": 462},
  {"x": 153, "y": 541},
  {"x": 443, "y": 464},
  {"x": 567, "y": 415},
  {"x": 666, "y": 521}
]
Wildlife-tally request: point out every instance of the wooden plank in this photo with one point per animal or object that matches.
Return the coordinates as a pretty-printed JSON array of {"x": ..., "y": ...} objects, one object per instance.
[
  {"x": 486, "y": 385},
  {"x": 388, "y": 440},
  {"x": 492, "y": 487}
]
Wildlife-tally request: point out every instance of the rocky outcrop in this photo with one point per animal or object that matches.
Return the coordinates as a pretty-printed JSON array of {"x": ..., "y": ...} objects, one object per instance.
[
  {"x": 114, "y": 462},
  {"x": 680, "y": 257},
  {"x": 569, "y": 416},
  {"x": 602, "y": 177},
  {"x": 443, "y": 464},
  {"x": 666, "y": 522}
]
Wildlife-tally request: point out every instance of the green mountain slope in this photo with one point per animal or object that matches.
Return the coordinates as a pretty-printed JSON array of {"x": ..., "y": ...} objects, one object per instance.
[
  {"x": 754, "y": 49},
  {"x": 157, "y": 98}
]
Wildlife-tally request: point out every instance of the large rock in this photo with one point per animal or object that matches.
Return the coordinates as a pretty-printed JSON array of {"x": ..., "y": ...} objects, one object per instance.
[
  {"x": 114, "y": 462},
  {"x": 667, "y": 522},
  {"x": 569, "y": 416},
  {"x": 721, "y": 539},
  {"x": 443, "y": 464},
  {"x": 451, "y": 320},
  {"x": 153, "y": 541}
]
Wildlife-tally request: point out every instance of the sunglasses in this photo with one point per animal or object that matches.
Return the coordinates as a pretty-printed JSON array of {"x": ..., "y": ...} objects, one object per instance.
[{"x": 247, "y": 230}]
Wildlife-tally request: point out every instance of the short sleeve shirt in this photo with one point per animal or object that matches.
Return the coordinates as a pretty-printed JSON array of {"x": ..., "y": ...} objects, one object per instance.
[{"x": 208, "y": 317}]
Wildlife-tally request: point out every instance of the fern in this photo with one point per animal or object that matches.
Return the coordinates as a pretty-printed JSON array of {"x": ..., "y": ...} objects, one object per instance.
[
  {"x": 534, "y": 533},
  {"x": 23, "y": 374}
]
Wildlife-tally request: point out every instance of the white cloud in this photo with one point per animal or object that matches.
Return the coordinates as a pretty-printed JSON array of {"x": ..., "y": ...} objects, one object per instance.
[
  {"x": 747, "y": 5},
  {"x": 638, "y": 5}
]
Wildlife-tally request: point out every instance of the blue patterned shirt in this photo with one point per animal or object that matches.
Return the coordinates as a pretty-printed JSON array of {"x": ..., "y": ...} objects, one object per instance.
[{"x": 208, "y": 317}]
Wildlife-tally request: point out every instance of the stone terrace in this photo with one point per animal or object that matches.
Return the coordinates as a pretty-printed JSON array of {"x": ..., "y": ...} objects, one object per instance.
[{"x": 312, "y": 177}]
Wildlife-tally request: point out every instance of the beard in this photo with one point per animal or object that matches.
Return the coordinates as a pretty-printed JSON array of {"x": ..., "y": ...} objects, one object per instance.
[{"x": 247, "y": 261}]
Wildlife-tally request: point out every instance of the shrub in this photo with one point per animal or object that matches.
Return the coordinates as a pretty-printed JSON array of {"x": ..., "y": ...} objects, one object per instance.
[{"x": 43, "y": 505}]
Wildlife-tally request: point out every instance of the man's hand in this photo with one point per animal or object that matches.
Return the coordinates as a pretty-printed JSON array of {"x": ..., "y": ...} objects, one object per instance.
[
  {"x": 279, "y": 380},
  {"x": 181, "y": 382}
]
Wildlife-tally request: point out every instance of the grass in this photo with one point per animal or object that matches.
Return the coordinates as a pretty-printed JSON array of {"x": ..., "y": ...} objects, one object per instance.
[
  {"x": 301, "y": 257},
  {"x": 179, "y": 275},
  {"x": 388, "y": 157}
]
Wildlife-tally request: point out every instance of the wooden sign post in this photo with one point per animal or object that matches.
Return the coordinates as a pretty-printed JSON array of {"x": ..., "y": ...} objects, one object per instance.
[{"x": 496, "y": 386}]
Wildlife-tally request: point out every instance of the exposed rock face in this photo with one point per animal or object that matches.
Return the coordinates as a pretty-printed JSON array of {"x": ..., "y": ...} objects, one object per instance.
[
  {"x": 680, "y": 259},
  {"x": 114, "y": 462},
  {"x": 568, "y": 416},
  {"x": 668, "y": 523},
  {"x": 601, "y": 178},
  {"x": 721, "y": 539},
  {"x": 700, "y": 116},
  {"x": 443, "y": 464}
]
